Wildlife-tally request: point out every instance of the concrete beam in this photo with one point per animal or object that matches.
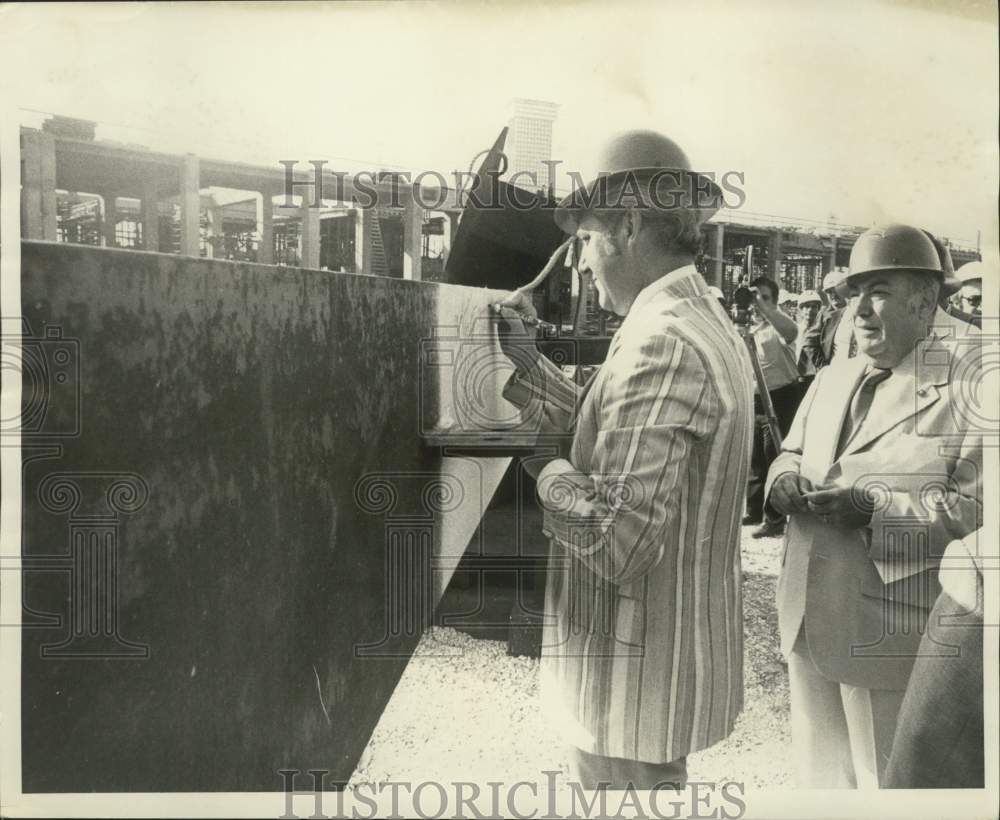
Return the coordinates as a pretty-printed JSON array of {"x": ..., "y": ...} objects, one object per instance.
[
  {"x": 265, "y": 253},
  {"x": 216, "y": 248},
  {"x": 38, "y": 187},
  {"x": 830, "y": 260},
  {"x": 717, "y": 250},
  {"x": 363, "y": 218},
  {"x": 190, "y": 175},
  {"x": 309, "y": 235},
  {"x": 109, "y": 219},
  {"x": 450, "y": 232},
  {"x": 150, "y": 215},
  {"x": 774, "y": 257},
  {"x": 413, "y": 240}
]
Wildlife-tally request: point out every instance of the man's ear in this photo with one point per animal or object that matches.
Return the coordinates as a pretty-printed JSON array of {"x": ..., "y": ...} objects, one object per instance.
[{"x": 631, "y": 225}]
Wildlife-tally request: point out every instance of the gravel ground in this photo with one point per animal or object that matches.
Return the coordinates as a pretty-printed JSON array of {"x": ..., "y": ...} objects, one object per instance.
[{"x": 465, "y": 710}]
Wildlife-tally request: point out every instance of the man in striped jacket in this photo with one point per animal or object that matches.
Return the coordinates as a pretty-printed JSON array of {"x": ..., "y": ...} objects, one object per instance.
[{"x": 643, "y": 644}]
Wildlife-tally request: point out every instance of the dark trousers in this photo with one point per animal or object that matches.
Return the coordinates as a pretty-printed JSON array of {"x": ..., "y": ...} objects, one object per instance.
[
  {"x": 786, "y": 401},
  {"x": 939, "y": 737},
  {"x": 594, "y": 772}
]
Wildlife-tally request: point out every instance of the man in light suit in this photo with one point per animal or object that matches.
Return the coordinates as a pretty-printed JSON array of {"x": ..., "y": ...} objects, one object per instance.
[
  {"x": 877, "y": 478},
  {"x": 643, "y": 640}
]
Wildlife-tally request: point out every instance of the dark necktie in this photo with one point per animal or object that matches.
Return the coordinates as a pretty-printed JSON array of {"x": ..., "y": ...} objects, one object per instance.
[{"x": 860, "y": 405}]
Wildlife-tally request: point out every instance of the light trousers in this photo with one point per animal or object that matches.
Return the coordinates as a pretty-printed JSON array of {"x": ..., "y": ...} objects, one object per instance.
[{"x": 841, "y": 734}]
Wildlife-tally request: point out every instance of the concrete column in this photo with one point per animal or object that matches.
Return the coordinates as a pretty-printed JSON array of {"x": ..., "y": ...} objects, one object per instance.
[
  {"x": 774, "y": 257},
  {"x": 109, "y": 218},
  {"x": 363, "y": 239},
  {"x": 190, "y": 201},
  {"x": 450, "y": 232},
  {"x": 216, "y": 247},
  {"x": 413, "y": 223},
  {"x": 717, "y": 251},
  {"x": 265, "y": 254},
  {"x": 38, "y": 188},
  {"x": 309, "y": 235},
  {"x": 830, "y": 260},
  {"x": 150, "y": 216}
]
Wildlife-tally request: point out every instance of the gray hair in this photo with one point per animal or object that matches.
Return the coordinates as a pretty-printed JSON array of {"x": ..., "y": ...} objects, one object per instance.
[{"x": 678, "y": 229}]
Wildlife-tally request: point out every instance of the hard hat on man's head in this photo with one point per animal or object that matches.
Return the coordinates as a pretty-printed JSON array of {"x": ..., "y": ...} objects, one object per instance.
[
  {"x": 643, "y": 169},
  {"x": 895, "y": 247},
  {"x": 809, "y": 296},
  {"x": 715, "y": 292},
  {"x": 833, "y": 279}
]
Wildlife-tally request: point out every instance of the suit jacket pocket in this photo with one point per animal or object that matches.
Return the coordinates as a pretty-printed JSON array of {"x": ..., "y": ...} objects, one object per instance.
[
  {"x": 920, "y": 589},
  {"x": 630, "y": 621}
]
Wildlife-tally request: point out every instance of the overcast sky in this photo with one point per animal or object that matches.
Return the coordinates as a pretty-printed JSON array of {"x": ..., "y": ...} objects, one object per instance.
[{"x": 865, "y": 110}]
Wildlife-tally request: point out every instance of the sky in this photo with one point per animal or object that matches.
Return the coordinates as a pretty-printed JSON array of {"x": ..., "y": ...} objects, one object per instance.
[{"x": 866, "y": 111}]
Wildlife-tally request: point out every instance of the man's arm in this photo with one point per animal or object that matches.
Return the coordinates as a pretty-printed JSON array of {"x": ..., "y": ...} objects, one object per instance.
[
  {"x": 789, "y": 460},
  {"x": 656, "y": 404},
  {"x": 784, "y": 324}
]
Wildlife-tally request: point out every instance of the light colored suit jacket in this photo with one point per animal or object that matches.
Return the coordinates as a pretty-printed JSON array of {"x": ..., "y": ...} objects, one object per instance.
[
  {"x": 864, "y": 595},
  {"x": 643, "y": 640}
]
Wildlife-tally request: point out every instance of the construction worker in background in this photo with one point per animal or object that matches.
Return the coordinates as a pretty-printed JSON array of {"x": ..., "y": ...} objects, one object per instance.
[
  {"x": 808, "y": 308},
  {"x": 831, "y": 332},
  {"x": 788, "y": 302},
  {"x": 774, "y": 335},
  {"x": 971, "y": 294},
  {"x": 951, "y": 320},
  {"x": 860, "y": 572}
]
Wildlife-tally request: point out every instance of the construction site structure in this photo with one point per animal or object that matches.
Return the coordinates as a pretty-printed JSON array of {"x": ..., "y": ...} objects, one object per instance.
[{"x": 78, "y": 189}]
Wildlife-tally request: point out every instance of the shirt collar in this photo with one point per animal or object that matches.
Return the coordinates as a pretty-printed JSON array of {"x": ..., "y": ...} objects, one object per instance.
[{"x": 648, "y": 293}]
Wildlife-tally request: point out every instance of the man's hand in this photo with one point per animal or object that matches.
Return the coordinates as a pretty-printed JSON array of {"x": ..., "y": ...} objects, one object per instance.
[
  {"x": 840, "y": 506},
  {"x": 564, "y": 490},
  {"x": 788, "y": 493},
  {"x": 517, "y": 341}
]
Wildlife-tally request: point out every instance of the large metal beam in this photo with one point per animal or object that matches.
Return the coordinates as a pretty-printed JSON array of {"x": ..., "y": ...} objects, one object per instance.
[{"x": 262, "y": 463}]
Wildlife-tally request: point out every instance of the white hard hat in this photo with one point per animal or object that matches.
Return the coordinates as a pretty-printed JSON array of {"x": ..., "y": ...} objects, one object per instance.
[
  {"x": 809, "y": 296},
  {"x": 833, "y": 279},
  {"x": 970, "y": 270},
  {"x": 785, "y": 296},
  {"x": 715, "y": 292}
]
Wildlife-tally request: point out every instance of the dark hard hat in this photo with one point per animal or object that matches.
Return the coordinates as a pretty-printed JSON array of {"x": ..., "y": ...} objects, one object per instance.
[
  {"x": 895, "y": 248},
  {"x": 641, "y": 169}
]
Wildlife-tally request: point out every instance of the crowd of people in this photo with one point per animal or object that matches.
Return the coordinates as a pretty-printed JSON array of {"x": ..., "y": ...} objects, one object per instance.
[{"x": 645, "y": 472}]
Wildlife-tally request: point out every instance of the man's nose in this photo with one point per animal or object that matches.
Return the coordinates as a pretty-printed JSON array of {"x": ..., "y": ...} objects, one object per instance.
[{"x": 862, "y": 304}]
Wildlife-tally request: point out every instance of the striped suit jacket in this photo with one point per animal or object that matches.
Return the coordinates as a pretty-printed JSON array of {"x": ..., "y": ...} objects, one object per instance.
[{"x": 643, "y": 636}]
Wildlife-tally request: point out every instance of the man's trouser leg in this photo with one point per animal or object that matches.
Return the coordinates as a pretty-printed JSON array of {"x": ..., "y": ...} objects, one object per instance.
[
  {"x": 599, "y": 772},
  {"x": 841, "y": 734}
]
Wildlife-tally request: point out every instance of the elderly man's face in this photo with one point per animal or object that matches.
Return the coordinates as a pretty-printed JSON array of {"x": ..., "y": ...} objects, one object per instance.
[
  {"x": 891, "y": 314},
  {"x": 601, "y": 253}
]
